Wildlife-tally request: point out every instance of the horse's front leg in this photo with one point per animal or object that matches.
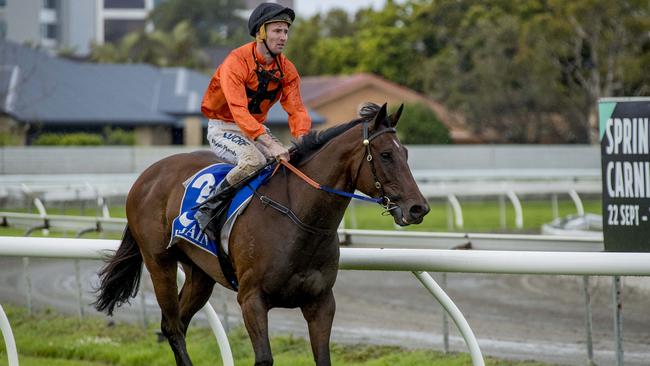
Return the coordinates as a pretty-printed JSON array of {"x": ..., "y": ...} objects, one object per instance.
[
  {"x": 255, "y": 312},
  {"x": 320, "y": 315}
]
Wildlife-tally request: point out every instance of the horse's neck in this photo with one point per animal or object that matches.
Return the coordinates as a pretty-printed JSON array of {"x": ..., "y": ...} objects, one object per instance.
[{"x": 331, "y": 167}]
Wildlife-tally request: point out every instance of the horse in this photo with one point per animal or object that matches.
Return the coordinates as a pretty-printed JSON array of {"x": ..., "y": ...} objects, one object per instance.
[{"x": 282, "y": 258}]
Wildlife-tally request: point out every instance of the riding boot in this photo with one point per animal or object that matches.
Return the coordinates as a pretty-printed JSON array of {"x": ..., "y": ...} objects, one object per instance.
[{"x": 213, "y": 206}]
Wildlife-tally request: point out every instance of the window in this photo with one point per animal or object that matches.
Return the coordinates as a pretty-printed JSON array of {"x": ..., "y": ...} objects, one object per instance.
[
  {"x": 115, "y": 29},
  {"x": 49, "y": 4},
  {"x": 3, "y": 3},
  {"x": 124, "y": 4},
  {"x": 49, "y": 30}
]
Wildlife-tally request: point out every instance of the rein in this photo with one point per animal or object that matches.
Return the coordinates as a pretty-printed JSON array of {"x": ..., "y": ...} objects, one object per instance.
[
  {"x": 382, "y": 200},
  {"x": 321, "y": 187}
]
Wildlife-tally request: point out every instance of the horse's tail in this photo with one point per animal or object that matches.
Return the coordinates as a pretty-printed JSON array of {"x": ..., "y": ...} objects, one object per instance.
[{"x": 120, "y": 277}]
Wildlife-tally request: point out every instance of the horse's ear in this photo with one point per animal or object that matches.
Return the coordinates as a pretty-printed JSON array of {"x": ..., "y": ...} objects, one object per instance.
[
  {"x": 380, "y": 117},
  {"x": 395, "y": 116}
]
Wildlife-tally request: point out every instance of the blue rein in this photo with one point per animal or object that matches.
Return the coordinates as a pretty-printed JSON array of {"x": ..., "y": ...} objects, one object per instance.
[{"x": 351, "y": 195}]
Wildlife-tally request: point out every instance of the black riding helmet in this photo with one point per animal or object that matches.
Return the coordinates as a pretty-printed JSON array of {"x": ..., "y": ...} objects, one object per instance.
[{"x": 266, "y": 12}]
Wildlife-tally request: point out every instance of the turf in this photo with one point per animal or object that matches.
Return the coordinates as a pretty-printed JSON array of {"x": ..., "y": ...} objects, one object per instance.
[{"x": 51, "y": 339}]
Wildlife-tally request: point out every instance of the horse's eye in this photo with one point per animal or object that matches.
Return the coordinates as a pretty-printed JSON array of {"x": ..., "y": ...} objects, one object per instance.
[{"x": 386, "y": 156}]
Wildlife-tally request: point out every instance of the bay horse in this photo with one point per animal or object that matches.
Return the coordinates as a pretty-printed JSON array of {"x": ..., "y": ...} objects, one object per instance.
[{"x": 279, "y": 260}]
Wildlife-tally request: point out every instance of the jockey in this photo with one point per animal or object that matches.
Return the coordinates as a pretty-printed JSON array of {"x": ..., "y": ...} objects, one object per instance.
[{"x": 243, "y": 88}]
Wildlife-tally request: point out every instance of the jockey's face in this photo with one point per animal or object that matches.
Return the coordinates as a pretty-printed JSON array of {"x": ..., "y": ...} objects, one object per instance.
[{"x": 276, "y": 36}]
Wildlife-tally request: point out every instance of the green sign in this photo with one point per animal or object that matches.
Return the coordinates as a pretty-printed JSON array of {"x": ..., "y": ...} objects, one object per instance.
[{"x": 625, "y": 152}]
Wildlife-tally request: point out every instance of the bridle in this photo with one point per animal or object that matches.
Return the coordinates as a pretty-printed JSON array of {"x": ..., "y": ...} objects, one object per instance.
[{"x": 382, "y": 200}]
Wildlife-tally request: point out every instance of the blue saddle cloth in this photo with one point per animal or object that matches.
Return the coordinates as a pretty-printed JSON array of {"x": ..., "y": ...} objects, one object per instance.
[{"x": 198, "y": 190}]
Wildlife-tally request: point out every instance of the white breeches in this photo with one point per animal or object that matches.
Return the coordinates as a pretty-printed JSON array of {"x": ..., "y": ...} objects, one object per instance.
[{"x": 229, "y": 143}]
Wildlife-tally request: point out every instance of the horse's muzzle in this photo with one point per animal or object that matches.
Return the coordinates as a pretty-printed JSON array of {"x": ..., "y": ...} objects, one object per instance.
[{"x": 413, "y": 215}]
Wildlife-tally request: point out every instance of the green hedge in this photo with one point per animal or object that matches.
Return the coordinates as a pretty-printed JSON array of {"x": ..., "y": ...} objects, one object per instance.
[
  {"x": 108, "y": 137},
  {"x": 420, "y": 125},
  {"x": 118, "y": 136},
  {"x": 70, "y": 139}
]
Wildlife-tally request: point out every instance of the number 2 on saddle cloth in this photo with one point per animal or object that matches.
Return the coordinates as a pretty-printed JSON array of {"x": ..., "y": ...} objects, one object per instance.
[{"x": 262, "y": 93}]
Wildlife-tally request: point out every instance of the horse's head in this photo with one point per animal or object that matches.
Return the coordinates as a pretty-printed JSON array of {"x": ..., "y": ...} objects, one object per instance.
[{"x": 384, "y": 171}]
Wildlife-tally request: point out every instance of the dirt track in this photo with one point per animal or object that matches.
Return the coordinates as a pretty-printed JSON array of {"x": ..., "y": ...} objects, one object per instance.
[{"x": 512, "y": 316}]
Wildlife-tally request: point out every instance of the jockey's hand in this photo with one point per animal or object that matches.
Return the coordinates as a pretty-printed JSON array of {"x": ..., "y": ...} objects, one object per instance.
[{"x": 276, "y": 150}]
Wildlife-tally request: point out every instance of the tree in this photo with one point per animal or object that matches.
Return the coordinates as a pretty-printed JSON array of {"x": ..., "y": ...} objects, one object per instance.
[
  {"x": 303, "y": 36},
  {"x": 420, "y": 125},
  {"x": 323, "y": 44},
  {"x": 532, "y": 71},
  {"x": 337, "y": 23},
  {"x": 176, "y": 48},
  {"x": 597, "y": 48},
  {"x": 525, "y": 71},
  {"x": 480, "y": 74},
  {"x": 216, "y": 23}
]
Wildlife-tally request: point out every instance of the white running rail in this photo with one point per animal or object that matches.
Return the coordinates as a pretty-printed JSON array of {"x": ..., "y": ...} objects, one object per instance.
[{"x": 412, "y": 260}]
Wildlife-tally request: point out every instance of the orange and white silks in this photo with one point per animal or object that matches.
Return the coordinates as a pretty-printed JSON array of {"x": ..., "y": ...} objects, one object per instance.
[{"x": 230, "y": 95}]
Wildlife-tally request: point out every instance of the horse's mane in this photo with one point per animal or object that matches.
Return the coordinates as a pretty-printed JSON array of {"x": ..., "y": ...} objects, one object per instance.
[{"x": 314, "y": 140}]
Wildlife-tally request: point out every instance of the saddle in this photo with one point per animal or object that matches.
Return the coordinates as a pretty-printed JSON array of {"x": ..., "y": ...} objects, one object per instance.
[{"x": 214, "y": 239}]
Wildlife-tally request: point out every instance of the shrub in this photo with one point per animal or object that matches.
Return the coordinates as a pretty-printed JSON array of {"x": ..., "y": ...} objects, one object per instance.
[
  {"x": 119, "y": 136},
  {"x": 420, "y": 125},
  {"x": 71, "y": 139},
  {"x": 9, "y": 139}
]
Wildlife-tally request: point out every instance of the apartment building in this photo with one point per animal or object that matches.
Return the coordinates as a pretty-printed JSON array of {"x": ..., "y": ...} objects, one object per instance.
[{"x": 71, "y": 24}]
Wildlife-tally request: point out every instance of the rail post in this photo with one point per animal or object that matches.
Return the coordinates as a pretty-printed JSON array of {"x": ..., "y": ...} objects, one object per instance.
[
  {"x": 618, "y": 321},
  {"x": 8, "y": 335},
  {"x": 215, "y": 325},
  {"x": 588, "y": 321},
  {"x": 456, "y": 315}
]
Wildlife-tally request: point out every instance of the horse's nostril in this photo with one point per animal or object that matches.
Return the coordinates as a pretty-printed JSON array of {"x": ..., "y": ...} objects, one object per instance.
[{"x": 418, "y": 211}]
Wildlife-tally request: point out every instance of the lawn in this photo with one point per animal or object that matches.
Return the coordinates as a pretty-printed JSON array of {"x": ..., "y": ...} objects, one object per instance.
[
  {"x": 51, "y": 339},
  {"x": 478, "y": 216}
]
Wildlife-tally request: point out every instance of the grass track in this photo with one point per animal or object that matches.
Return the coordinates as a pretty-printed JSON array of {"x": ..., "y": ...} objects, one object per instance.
[
  {"x": 50, "y": 339},
  {"x": 478, "y": 216}
]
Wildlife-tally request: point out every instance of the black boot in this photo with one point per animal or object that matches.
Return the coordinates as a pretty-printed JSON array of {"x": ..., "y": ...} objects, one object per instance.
[{"x": 212, "y": 207}]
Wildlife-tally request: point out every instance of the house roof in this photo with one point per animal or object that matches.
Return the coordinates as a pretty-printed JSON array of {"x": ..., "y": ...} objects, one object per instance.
[
  {"x": 318, "y": 91},
  {"x": 37, "y": 87},
  {"x": 42, "y": 88}
]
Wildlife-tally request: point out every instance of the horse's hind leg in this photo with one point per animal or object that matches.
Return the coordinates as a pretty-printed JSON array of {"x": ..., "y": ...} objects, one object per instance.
[
  {"x": 320, "y": 315},
  {"x": 163, "y": 275},
  {"x": 195, "y": 293}
]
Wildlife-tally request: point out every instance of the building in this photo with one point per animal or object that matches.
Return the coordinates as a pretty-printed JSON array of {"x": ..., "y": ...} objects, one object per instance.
[
  {"x": 72, "y": 25},
  {"x": 41, "y": 93},
  {"x": 337, "y": 98}
]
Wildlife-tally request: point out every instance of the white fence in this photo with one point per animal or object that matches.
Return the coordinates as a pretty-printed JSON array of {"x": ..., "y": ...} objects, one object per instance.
[
  {"x": 417, "y": 261},
  {"x": 443, "y": 172},
  {"x": 434, "y": 158}
]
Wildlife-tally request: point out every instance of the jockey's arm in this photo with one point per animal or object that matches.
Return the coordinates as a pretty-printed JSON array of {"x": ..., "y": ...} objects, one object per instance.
[{"x": 299, "y": 120}]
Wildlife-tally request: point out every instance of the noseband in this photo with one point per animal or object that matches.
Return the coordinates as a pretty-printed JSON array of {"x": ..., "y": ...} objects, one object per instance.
[{"x": 383, "y": 199}]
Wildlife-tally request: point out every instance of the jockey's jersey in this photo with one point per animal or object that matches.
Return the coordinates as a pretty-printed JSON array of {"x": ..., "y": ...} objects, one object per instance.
[{"x": 244, "y": 88}]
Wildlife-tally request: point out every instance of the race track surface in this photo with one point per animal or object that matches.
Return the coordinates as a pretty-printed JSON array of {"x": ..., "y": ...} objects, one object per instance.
[{"x": 513, "y": 316}]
